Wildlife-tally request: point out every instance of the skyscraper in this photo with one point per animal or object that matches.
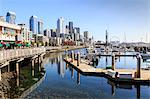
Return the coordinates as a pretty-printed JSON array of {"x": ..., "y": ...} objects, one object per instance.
[
  {"x": 40, "y": 26},
  {"x": 86, "y": 34},
  {"x": 77, "y": 33},
  {"x": 60, "y": 25},
  {"x": 70, "y": 27},
  {"x": 11, "y": 17},
  {"x": 67, "y": 29},
  {"x": 33, "y": 22}
]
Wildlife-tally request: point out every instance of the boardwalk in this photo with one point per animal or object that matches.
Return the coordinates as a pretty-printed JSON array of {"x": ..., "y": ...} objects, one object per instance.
[
  {"x": 89, "y": 70},
  {"x": 6, "y": 55}
]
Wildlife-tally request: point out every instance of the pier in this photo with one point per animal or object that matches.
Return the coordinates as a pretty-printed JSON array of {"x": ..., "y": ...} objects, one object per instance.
[
  {"x": 86, "y": 69},
  {"x": 13, "y": 57}
]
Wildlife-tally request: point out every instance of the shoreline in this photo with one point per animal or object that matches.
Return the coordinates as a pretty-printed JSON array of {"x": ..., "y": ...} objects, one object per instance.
[
  {"x": 65, "y": 48},
  {"x": 33, "y": 87}
]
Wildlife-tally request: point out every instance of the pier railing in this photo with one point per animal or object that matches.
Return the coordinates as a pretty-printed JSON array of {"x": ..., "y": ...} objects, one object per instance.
[{"x": 18, "y": 53}]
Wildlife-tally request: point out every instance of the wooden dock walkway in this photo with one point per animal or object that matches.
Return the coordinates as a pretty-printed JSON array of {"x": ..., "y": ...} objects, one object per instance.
[{"x": 86, "y": 69}]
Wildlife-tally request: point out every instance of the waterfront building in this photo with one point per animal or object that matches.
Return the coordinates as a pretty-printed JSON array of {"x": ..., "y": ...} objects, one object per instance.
[
  {"x": 40, "y": 39},
  {"x": 2, "y": 18},
  {"x": 60, "y": 25},
  {"x": 40, "y": 26},
  {"x": 11, "y": 17},
  {"x": 26, "y": 35},
  {"x": 9, "y": 32},
  {"x": 33, "y": 22}
]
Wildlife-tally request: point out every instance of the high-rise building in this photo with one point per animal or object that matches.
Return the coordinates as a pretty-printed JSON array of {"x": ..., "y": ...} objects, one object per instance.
[
  {"x": 70, "y": 27},
  {"x": 11, "y": 17},
  {"x": 77, "y": 33},
  {"x": 47, "y": 33},
  {"x": 33, "y": 22},
  {"x": 40, "y": 26},
  {"x": 60, "y": 25},
  {"x": 77, "y": 29},
  {"x": 67, "y": 29},
  {"x": 86, "y": 34}
]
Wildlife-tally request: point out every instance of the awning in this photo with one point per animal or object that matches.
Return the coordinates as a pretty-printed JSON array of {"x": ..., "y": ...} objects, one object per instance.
[
  {"x": 1, "y": 45},
  {"x": 7, "y": 44},
  {"x": 27, "y": 44},
  {"x": 19, "y": 44}
]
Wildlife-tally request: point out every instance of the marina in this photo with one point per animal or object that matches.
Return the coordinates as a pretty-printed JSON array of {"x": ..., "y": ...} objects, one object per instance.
[
  {"x": 110, "y": 74},
  {"x": 86, "y": 81}
]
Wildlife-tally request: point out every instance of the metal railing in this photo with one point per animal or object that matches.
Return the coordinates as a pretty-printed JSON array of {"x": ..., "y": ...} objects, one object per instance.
[{"x": 17, "y": 53}]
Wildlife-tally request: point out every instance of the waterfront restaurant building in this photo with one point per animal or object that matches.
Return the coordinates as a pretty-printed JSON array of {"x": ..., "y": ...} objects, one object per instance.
[{"x": 9, "y": 32}]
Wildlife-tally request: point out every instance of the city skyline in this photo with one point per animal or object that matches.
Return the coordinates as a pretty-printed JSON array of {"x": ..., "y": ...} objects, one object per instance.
[{"x": 120, "y": 18}]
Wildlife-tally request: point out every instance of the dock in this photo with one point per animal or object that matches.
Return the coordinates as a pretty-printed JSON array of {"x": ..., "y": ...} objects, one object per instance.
[{"x": 88, "y": 70}]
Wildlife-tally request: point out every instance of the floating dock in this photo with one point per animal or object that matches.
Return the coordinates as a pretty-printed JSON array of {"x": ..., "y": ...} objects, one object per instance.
[{"x": 125, "y": 75}]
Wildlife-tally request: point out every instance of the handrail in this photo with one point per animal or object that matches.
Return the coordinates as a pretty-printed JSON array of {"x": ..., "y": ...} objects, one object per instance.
[{"x": 16, "y": 53}]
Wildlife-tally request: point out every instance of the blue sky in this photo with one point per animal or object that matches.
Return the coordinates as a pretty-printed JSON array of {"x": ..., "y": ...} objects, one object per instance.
[{"x": 119, "y": 17}]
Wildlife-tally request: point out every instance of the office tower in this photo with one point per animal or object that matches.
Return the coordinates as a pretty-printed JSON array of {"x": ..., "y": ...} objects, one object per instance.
[
  {"x": 11, "y": 17},
  {"x": 33, "y": 22},
  {"x": 67, "y": 29},
  {"x": 47, "y": 33},
  {"x": 60, "y": 25},
  {"x": 40, "y": 26},
  {"x": 70, "y": 27},
  {"x": 77, "y": 33},
  {"x": 86, "y": 34}
]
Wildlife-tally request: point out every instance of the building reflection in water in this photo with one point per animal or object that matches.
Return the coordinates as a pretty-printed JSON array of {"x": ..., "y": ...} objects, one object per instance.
[
  {"x": 115, "y": 86},
  {"x": 72, "y": 72},
  {"x": 106, "y": 61},
  {"x": 61, "y": 67}
]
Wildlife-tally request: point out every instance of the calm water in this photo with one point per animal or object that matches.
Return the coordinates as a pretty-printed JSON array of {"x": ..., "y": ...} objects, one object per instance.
[{"x": 63, "y": 82}]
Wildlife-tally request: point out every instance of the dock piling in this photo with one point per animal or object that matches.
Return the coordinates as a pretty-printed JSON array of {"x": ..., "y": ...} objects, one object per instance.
[
  {"x": 78, "y": 59},
  {"x": 17, "y": 72},
  {"x": 113, "y": 61},
  {"x": 72, "y": 55},
  {"x": 32, "y": 67},
  {"x": 138, "y": 65},
  {"x": 0, "y": 74}
]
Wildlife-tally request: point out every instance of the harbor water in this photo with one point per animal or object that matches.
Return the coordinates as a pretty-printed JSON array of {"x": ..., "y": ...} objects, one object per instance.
[{"x": 64, "y": 82}]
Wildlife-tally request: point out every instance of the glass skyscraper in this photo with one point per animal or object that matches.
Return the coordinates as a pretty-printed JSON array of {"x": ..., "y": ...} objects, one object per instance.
[
  {"x": 60, "y": 25},
  {"x": 33, "y": 22},
  {"x": 40, "y": 26},
  {"x": 11, "y": 17},
  {"x": 70, "y": 27}
]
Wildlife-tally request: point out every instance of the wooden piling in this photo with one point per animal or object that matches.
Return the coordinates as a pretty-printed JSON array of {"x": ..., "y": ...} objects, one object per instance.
[
  {"x": 78, "y": 59},
  {"x": 113, "y": 61},
  {"x": 0, "y": 74},
  {"x": 138, "y": 66},
  {"x": 33, "y": 67},
  {"x": 17, "y": 72}
]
